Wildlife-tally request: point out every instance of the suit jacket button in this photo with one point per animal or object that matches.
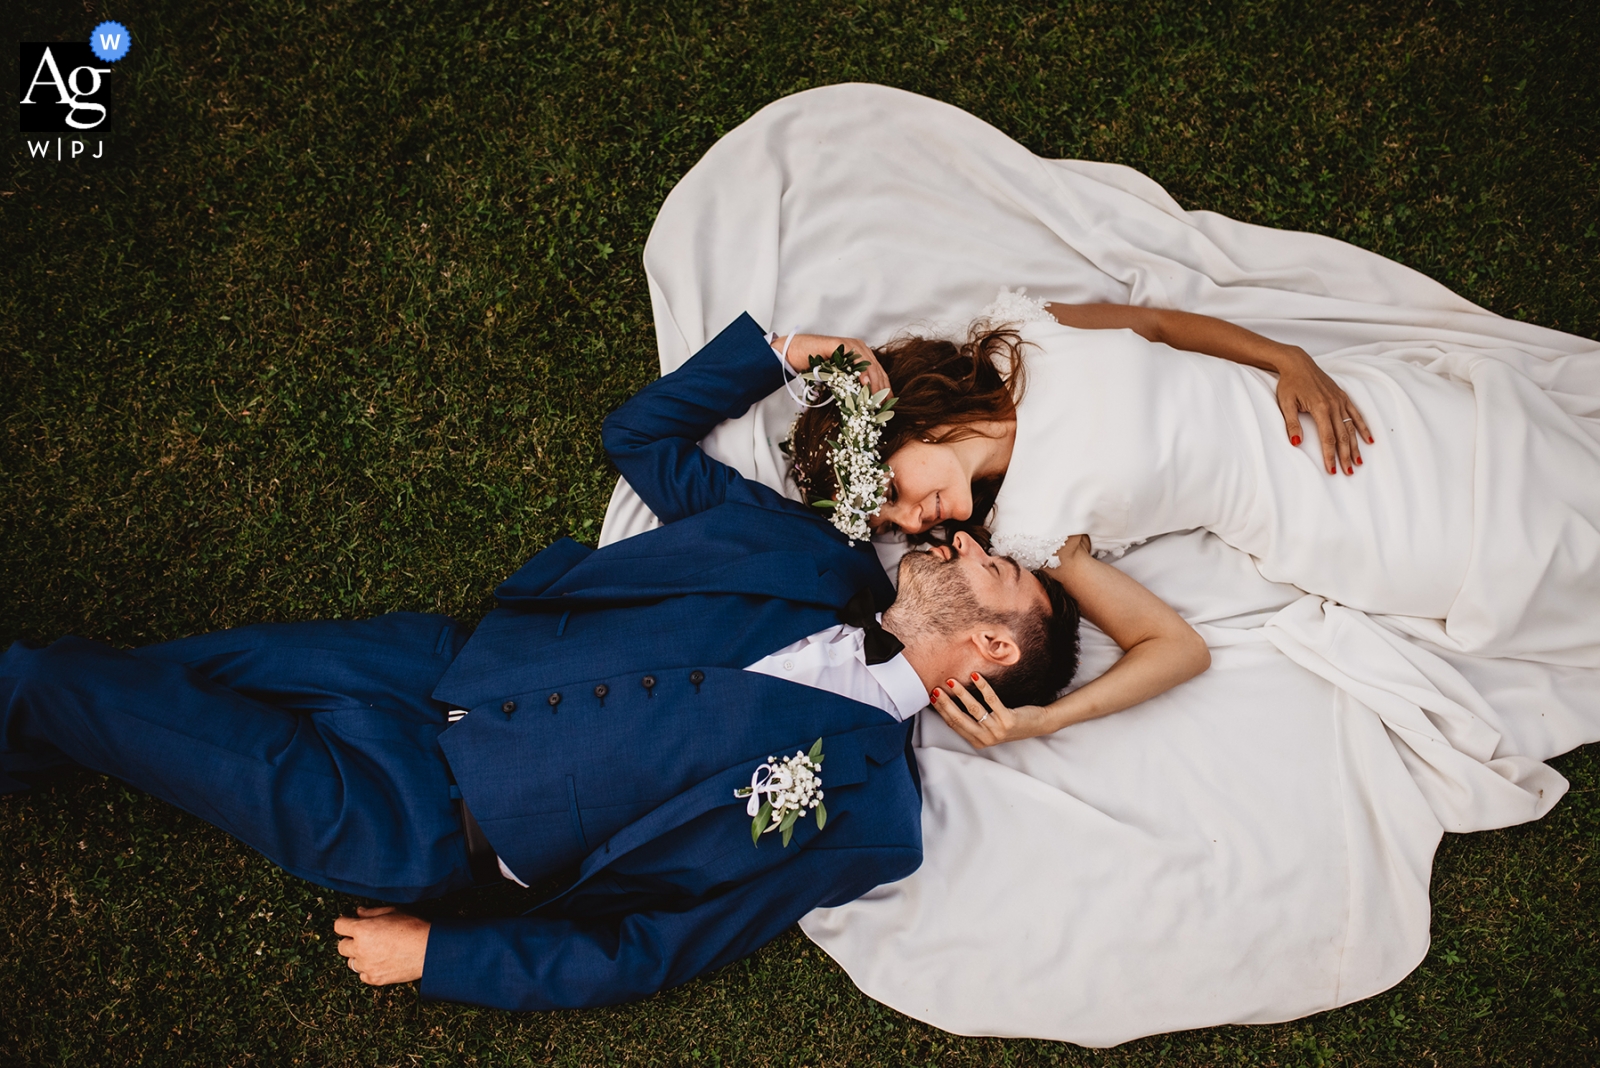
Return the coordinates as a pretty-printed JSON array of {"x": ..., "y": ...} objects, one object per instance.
[
  {"x": 648, "y": 682},
  {"x": 697, "y": 677},
  {"x": 554, "y": 699},
  {"x": 601, "y": 690},
  {"x": 509, "y": 707}
]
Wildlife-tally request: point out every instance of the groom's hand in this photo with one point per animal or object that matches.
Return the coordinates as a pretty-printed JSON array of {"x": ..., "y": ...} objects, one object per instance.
[
  {"x": 383, "y": 946},
  {"x": 804, "y": 346}
]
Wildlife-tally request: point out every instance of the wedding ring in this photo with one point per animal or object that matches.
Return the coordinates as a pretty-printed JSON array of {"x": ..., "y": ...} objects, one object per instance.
[
  {"x": 1349, "y": 420},
  {"x": 986, "y": 715}
]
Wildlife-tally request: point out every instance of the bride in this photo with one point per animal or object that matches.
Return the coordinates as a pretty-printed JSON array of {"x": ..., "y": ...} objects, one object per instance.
[
  {"x": 1105, "y": 425},
  {"x": 1394, "y": 649}
]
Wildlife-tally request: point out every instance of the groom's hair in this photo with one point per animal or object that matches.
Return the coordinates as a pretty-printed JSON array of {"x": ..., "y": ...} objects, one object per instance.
[{"x": 1048, "y": 646}]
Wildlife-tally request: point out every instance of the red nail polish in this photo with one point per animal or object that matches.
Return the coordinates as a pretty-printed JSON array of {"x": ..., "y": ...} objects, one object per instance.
[
  {"x": 974, "y": 676},
  {"x": 934, "y": 696},
  {"x": 1295, "y": 440},
  {"x": 950, "y": 683},
  {"x": 1369, "y": 441},
  {"x": 1359, "y": 461},
  {"x": 1349, "y": 470}
]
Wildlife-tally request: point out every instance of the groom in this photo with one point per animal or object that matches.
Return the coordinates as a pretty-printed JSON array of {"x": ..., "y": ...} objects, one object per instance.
[{"x": 595, "y": 726}]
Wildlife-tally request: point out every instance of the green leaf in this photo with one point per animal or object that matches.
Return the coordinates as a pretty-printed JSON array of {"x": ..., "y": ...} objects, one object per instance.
[
  {"x": 788, "y": 819},
  {"x": 878, "y": 397},
  {"x": 816, "y": 750},
  {"x": 822, "y": 815},
  {"x": 788, "y": 833},
  {"x": 824, "y": 504},
  {"x": 759, "y": 824}
]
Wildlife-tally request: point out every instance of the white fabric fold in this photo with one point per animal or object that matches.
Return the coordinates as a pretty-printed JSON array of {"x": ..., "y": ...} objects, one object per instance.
[{"x": 1442, "y": 726}]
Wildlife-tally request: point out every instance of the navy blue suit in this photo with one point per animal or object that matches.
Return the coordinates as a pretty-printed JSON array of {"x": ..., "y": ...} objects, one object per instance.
[{"x": 609, "y": 724}]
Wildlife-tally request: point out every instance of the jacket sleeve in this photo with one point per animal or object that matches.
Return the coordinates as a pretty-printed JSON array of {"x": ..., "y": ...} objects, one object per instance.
[
  {"x": 533, "y": 962},
  {"x": 654, "y": 438}
]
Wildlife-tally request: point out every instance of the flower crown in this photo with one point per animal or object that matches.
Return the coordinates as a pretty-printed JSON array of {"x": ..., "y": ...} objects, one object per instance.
[{"x": 861, "y": 476}]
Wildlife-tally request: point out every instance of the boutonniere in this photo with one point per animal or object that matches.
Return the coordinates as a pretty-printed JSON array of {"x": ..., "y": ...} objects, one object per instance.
[{"x": 781, "y": 791}]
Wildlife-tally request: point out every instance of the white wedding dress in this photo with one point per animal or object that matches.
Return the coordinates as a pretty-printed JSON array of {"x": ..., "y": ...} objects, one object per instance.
[
  {"x": 1394, "y": 654},
  {"x": 1480, "y": 509}
]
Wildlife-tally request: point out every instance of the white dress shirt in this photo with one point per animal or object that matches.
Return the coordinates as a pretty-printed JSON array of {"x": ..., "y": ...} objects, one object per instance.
[{"x": 833, "y": 660}]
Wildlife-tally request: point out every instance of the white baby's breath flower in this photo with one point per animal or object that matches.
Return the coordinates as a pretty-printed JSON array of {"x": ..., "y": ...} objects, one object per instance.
[
  {"x": 780, "y": 792},
  {"x": 860, "y": 474}
]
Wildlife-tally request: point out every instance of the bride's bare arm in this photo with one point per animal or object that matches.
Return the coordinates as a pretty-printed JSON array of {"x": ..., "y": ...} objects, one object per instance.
[
  {"x": 1159, "y": 651},
  {"x": 1302, "y": 385}
]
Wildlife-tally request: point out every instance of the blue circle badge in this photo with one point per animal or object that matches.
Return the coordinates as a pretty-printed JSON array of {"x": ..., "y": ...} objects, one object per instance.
[{"x": 110, "y": 41}]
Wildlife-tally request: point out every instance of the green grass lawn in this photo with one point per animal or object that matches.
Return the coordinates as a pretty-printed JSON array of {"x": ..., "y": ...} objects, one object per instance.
[{"x": 330, "y": 331}]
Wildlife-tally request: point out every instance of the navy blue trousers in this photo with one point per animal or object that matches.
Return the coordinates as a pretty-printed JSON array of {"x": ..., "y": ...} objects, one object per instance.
[{"x": 315, "y": 743}]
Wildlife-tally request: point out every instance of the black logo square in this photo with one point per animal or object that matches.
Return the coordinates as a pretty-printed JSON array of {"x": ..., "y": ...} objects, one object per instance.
[{"x": 64, "y": 89}]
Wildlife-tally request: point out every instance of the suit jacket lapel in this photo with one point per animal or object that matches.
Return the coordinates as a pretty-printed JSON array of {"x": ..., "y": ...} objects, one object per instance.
[
  {"x": 844, "y": 764},
  {"x": 733, "y": 549},
  {"x": 790, "y": 576},
  {"x": 536, "y": 576}
]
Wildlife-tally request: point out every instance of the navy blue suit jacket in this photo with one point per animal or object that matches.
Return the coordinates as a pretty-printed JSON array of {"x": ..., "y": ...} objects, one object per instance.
[{"x": 610, "y": 722}]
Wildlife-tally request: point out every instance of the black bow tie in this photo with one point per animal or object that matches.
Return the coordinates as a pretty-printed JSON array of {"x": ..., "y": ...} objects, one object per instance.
[{"x": 878, "y": 644}]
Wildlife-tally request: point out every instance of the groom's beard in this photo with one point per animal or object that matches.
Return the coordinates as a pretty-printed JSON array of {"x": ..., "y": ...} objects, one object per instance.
[{"x": 934, "y": 598}]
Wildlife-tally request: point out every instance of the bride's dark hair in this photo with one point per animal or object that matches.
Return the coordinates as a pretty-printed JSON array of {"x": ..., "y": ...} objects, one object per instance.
[{"x": 941, "y": 388}]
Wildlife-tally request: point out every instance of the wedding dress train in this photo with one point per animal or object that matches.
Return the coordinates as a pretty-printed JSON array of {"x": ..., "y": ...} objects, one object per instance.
[{"x": 1254, "y": 845}]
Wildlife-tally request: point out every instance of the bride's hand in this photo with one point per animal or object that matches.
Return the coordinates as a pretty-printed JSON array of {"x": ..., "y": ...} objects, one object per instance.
[
  {"x": 1305, "y": 387},
  {"x": 803, "y": 346},
  {"x": 980, "y": 726}
]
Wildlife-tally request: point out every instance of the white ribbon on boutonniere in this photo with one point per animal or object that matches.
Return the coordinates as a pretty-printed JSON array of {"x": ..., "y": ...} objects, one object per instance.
[{"x": 781, "y": 791}]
